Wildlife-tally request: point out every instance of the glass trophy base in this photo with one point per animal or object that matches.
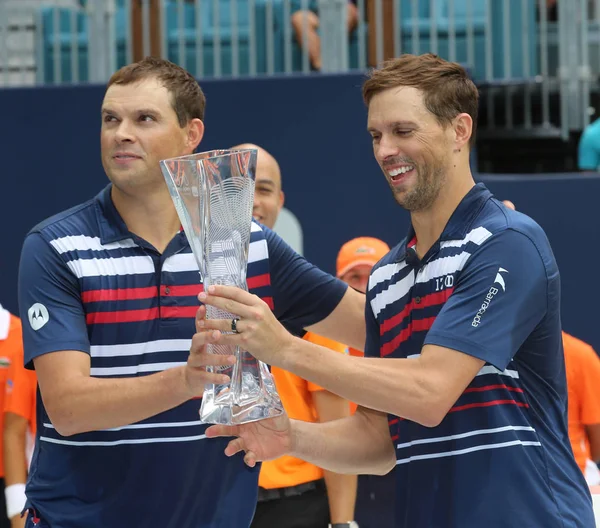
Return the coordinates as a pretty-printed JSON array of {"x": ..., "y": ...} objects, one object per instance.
[{"x": 255, "y": 401}]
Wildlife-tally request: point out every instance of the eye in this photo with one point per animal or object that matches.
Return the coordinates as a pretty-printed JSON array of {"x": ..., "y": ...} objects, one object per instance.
[
  {"x": 147, "y": 118},
  {"x": 401, "y": 132},
  {"x": 375, "y": 137},
  {"x": 109, "y": 118}
]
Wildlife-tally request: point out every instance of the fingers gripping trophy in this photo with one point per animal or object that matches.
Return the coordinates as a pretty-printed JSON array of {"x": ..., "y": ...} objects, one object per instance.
[{"x": 213, "y": 193}]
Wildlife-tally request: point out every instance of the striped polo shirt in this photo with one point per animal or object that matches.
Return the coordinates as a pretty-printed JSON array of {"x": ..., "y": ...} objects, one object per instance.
[
  {"x": 489, "y": 288},
  {"x": 89, "y": 284}
]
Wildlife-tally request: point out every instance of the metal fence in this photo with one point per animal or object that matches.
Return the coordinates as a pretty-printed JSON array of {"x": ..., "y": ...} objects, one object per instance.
[{"x": 522, "y": 53}]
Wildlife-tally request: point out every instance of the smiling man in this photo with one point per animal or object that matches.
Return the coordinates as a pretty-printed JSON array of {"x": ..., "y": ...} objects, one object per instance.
[
  {"x": 477, "y": 397},
  {"x": 108, "y": 292}
]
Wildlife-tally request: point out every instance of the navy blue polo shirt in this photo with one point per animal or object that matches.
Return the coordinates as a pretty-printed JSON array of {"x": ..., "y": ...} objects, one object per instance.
[
  {"x": 88, "y": 284},
  {"x": 489, "y": 288}
]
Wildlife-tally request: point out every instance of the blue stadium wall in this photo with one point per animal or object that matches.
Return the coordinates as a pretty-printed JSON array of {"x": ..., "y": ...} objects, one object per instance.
[{"x": 316, "y": 127}]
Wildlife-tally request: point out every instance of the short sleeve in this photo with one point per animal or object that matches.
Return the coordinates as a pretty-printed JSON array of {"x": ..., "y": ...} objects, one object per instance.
[
  {"x": 302, "y": 294},
  {"x": 587, "y": 387},
  {"x": 50, "y": 302},
  {"x": 499, "y": 298},
  {"x": 589, "y": 150}
]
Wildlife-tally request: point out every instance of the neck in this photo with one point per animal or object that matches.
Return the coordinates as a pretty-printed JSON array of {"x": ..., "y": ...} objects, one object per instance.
[
  {"x": 430, "y": 223},
  {"x": 150, "y": 215}
]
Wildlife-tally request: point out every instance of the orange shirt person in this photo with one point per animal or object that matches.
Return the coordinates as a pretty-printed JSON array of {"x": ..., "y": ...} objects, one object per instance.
[
  {"x": 11, "y": 356},
  {"x": 583, "y": 372},
  {"x": 293, "y": 492},
  {"x": 354, "y": 262}
]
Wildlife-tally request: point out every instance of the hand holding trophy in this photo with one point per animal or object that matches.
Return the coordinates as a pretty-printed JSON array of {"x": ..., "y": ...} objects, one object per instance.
[{"x": 213, "y": 193}]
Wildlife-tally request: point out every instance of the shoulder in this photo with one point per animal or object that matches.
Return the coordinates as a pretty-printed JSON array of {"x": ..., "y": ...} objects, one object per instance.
[
  {"x": 74, "y": 221},
  {"x": 514, "y": 229}
]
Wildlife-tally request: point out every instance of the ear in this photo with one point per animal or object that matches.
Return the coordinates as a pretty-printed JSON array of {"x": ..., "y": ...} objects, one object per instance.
[
  {"x": 281, "y": 199},
  {"x": 463, "y": 128},
  {"x": 195, "y": 133}
]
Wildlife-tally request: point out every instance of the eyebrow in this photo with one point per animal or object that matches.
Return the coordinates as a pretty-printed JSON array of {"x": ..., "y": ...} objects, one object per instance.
[
  {"x": 139, "y": 111},
  {"x": 395, "y": 124},
  {"x": 262, "y": 181}
]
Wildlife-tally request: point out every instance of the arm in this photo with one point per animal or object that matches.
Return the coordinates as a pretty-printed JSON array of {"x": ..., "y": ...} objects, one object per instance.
[
  {"x": 306, "y": 297},
  {"x": 59, "y": 350},
  {"x": 358, "y": 444},
  {"x": 341, "y": 489},
  {"x": 15, "y": 464},
  {"x": 424, "y": 387},
  {"x": 77, "y": 402},
  {"x": 346, "y": 323}
]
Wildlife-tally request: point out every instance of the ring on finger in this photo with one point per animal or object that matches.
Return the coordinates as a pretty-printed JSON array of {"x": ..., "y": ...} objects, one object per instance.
[{"x": 234, "y": 322}]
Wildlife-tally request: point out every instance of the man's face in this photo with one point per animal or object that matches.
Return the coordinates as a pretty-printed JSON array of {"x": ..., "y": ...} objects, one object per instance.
[
  {"x": 268, "y": 196},
  {"x": 411, "y": 147},
  {"x": 139, "y": 128},
  {"x": 358, "y": 277}
]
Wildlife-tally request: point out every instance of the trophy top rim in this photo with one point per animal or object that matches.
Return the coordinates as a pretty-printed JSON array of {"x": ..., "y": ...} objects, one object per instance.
[{"x": 209, "y": 154}]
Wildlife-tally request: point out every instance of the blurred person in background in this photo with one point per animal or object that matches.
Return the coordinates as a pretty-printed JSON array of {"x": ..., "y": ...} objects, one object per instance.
[
  {"x": 306, "y": 25},
  {"x": 12, "y": 492},
  {"x": 19, "y": 435},
  {"x": 293, "y": 493},
  {"x": 375, "y": 493},
  {"x": 583, "y": 408}
]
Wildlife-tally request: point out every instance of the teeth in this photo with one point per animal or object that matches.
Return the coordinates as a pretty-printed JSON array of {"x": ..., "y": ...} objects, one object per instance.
[{"x": 401, "y": 170}]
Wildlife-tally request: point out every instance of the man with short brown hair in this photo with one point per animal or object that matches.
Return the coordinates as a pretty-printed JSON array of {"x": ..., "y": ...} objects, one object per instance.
[{"x": 464, "y": 345}]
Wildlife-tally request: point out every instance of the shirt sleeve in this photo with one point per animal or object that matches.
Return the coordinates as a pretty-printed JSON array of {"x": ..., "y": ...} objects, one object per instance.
[
  {"x": 499, "y": 298},
  {"x": 302, "y": 294},
  {"x": 50, "y": 302},
  {"x": 587, "y": 387}
]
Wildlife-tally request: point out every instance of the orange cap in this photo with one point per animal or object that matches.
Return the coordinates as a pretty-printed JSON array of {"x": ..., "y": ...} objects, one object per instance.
[{"x": 360, "y": 251}]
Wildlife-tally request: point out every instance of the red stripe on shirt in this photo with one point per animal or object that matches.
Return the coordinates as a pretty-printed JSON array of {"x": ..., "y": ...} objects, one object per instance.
[
  {"x": 120, "y": 294},
  {"x": 418, "y": 325},
  {"x": 488, "y": 404},
  {"x": 122, "y": 316},
  {"x": 259, "y": 281},
  {"x": 186, "y": 290},
  {"x": 493, "y": 387},
  {"x": 431, "y": 299},
  {"x": 269, "y": 301}
]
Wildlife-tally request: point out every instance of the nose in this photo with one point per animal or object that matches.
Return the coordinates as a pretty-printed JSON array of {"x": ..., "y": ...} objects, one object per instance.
[
  {"x": 386, "y": 148},
  {"x": 125, "y": 132}
]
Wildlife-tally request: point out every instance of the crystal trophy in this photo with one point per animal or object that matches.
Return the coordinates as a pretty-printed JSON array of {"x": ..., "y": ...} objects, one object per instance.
[{"x": 213, "y": 193}]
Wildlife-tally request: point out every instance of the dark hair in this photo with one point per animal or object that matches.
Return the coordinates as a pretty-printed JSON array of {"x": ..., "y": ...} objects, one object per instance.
[
  {"x": 446, "y": 86},
  {"x": 187, "y": 97}
]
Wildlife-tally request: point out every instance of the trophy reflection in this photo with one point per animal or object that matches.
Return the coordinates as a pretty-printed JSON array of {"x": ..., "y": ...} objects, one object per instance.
[{"x": 213, "y": 193}]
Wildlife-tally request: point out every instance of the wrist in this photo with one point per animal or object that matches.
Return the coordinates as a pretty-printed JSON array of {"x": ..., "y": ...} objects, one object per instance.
[
  {"x": 349, "y": 524},
  {"x": 15, "y": 499},
  {"x": 287, "y": 353},
  {"x": 180, "y": 384}
]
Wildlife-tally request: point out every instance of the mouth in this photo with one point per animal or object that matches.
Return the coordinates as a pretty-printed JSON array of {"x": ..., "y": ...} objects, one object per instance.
[
  {"x": 125, "y": 157},
  {"x": 399, "y": 174}
]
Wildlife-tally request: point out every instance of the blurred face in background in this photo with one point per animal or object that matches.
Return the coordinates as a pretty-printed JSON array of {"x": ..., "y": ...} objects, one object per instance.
[
  {"x": 268, "y": 196},
  {"x": 356, "y": 259},
  {"x": 358, "y": 277}
]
